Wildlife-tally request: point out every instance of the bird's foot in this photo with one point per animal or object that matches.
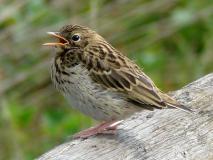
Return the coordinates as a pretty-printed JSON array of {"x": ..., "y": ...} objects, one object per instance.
[{"x": 103, "y": 128}]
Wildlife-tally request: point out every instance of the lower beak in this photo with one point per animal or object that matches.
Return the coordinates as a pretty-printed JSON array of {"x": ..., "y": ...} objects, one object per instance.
[{"x": 62, "y": 40}]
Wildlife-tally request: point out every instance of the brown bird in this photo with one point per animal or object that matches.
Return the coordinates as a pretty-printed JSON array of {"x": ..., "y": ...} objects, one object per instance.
[{"x": 100, "y": 81}]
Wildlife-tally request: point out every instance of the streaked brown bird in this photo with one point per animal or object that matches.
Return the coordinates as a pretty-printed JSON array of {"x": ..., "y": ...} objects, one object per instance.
[{"x": 100, "y": 81}]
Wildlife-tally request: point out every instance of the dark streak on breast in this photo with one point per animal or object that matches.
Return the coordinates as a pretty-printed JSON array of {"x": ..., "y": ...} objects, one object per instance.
[
  {"x": 57, "y": 67},
  {"x": 65, "y": 73}
]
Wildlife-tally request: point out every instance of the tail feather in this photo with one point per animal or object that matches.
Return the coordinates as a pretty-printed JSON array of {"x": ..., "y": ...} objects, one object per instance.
[
  {"x": 172, "y": 103},
  {"x": 179, "y": 106}
]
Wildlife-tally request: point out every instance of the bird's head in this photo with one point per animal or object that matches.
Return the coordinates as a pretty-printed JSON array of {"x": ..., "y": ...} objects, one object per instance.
[
  {"x": 78, "y": 44},
  {"x": 73, "y": 37}
]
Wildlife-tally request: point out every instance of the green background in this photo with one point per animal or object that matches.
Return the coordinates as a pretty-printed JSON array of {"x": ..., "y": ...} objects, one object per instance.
[{"x": 172, "y": 40}]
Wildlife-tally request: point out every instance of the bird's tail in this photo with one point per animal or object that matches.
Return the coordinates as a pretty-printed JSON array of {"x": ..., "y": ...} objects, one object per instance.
[
  {"x": 179, "y": 106},
  {"x": 172, "y": 103}
]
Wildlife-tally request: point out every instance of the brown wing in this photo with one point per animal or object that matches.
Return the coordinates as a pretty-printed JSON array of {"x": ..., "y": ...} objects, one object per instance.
[{"x": 115, "y": 71}]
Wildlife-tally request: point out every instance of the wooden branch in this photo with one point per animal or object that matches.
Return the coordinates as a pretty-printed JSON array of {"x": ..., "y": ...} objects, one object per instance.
[{"x": 168, "y": 134}]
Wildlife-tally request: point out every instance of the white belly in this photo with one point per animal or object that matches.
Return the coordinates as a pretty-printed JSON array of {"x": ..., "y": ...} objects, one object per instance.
[{"x": 89, "y": 97}]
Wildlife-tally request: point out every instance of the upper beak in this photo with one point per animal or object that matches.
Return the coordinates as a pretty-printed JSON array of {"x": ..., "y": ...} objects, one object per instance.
[{"x": 62, "y": 40}]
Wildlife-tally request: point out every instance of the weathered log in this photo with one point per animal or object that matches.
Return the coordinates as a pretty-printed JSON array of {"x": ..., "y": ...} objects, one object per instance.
[{"x": 168, "y": 134}]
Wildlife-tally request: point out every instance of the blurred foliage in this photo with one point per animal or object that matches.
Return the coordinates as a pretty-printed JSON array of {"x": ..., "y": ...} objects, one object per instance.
[{"x": 171, "y": 39}]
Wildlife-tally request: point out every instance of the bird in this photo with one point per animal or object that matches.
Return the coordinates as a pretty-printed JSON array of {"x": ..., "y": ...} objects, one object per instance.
[{"x": 100, "y": 81}]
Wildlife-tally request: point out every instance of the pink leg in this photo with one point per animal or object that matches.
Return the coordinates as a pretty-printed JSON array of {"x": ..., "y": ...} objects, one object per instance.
[{"x": 103, "y": 128}]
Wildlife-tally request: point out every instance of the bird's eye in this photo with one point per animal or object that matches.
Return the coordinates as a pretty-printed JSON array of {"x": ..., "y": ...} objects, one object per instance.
[{"x": 75, "y": 37}]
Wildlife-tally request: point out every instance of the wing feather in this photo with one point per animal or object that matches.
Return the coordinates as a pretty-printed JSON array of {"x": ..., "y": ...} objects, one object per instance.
[{"x": 118, "y": 73}]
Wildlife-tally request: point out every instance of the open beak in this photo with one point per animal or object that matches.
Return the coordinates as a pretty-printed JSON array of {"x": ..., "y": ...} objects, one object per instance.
[{"x": 62, "y": 40}]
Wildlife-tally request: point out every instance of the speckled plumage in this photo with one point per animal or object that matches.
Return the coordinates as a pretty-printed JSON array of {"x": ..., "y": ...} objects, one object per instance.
[{"x": 99, "y": 80}]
